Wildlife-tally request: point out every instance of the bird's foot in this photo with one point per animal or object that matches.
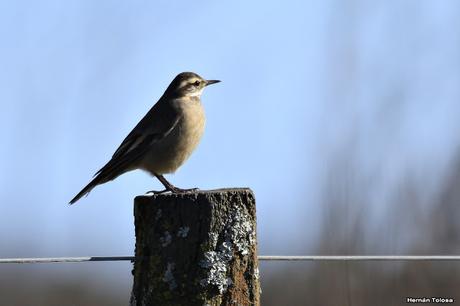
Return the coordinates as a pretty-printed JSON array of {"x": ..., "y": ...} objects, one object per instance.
[
  {"x": 157, "y": 191},
  {"x": 172, "y": 190},
  {"x": 180, "y": 190}
]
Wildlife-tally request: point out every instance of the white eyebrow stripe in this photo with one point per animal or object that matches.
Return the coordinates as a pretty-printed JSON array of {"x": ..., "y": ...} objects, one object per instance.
[{"x": 188, "y": 81}]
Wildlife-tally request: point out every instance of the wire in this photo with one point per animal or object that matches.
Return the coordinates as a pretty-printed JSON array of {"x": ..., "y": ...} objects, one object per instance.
[
  {"x": 66, "y": 259},
  {"x": 261, "y": 258},
  {"x": 362, "y": 258}
]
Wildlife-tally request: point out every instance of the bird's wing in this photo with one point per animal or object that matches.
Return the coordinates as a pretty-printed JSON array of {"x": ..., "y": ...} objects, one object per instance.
[
  {"x": 117, "y": 166},
  {"x": 155, "y": 125},
  {"x": 134, "y": 147},
  {"x": 159, "y": 120}
]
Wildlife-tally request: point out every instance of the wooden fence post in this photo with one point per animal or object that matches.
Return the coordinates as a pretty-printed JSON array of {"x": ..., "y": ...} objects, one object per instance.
[{"x": 196, "y": 248}]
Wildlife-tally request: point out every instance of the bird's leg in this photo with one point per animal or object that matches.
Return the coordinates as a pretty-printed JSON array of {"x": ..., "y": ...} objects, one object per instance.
[
  {"x": 169, "y": 187},
  {"x": 165, "y": 182}
]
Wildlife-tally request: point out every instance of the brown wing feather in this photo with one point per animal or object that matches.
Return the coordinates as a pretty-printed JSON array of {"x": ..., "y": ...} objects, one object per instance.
[{"x": 135, "y": 145}]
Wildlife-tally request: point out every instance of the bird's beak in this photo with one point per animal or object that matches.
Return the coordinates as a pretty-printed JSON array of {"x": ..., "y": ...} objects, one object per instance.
[{"x": 209, "y": 82}]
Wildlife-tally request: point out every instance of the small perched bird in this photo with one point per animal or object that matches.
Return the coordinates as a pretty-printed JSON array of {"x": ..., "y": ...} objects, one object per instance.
[{"x": 166, "y": 136}]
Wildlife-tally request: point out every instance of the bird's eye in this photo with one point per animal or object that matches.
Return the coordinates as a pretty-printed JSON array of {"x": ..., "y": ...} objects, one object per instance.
[{"x": 196, "y": 83}]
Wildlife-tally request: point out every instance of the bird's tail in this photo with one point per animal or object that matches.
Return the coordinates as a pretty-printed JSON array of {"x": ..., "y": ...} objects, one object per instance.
[
  {"x": 115, "y": 167},
  {"x": 96, "y": 181}
]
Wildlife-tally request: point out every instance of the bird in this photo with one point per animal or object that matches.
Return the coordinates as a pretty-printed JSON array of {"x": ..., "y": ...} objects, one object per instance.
[{"x": 164, "y": 138}]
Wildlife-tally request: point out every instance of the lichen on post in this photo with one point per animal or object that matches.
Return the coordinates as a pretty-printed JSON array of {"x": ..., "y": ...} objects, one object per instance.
[{"x": 196, "y": 248}]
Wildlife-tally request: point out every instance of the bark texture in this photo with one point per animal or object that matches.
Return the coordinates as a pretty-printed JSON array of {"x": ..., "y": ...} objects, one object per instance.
[{"x": 196, "y": 248}]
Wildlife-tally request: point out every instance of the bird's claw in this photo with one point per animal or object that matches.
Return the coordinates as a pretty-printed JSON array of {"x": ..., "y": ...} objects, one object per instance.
[
  {"x": 173, "y": 190},
  {"x": 180, "y": 190},
  {"x": 157, "y": 191}
]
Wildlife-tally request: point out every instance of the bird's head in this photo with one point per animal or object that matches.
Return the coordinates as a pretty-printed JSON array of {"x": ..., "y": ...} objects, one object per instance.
[{"x": 188, "y": 84}]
